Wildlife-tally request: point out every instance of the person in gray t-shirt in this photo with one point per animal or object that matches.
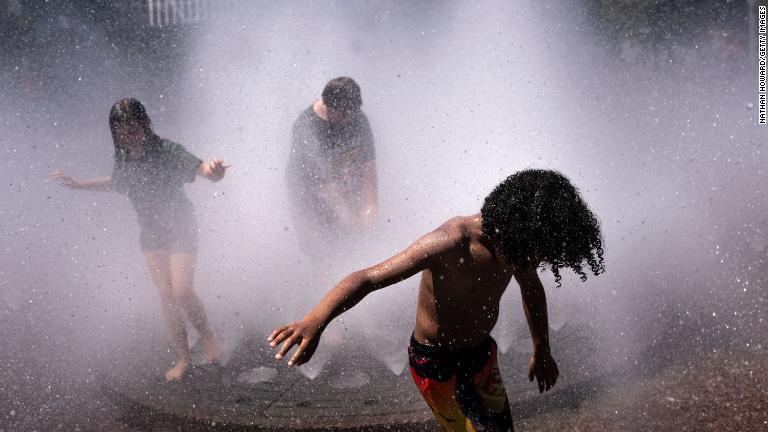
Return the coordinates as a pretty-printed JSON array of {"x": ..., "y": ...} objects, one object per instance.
[{"x": 331, "y": 174}]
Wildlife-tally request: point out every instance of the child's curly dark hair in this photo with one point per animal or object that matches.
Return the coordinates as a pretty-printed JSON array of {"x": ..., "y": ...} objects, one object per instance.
[{"x": 537, "y": 217}]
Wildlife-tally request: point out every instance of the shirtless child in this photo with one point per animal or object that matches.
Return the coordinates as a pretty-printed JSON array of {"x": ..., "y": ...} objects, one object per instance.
[{"x": 534, "y": 218}]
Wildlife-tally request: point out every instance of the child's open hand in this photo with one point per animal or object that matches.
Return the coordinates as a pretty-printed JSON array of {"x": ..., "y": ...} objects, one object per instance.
[
  {"x": 303, "y": 334},
  {"x": 214, "y": 169},
  {"x": 65, "y": 179},
  {"x": 543, "y": 367}
]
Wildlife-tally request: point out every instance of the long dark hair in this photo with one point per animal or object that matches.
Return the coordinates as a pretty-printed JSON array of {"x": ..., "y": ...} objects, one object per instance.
[{"x": 130, "y": 109}]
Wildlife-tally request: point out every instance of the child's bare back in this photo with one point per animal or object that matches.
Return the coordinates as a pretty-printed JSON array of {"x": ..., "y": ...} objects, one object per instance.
[{"x": 459, "y": 294}]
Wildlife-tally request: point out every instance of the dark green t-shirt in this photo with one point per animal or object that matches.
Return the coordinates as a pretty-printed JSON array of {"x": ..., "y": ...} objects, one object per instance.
[{"x": 155, "y": 181}]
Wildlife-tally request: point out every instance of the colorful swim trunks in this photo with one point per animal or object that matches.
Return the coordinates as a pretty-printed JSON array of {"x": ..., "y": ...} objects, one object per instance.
[{"x": 463, "y": 387}]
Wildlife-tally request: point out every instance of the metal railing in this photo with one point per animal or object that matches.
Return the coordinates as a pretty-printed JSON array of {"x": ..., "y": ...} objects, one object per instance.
[{"x": 165, "y": 13}]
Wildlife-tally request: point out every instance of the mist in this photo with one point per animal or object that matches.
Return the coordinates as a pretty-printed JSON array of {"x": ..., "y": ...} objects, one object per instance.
[{"x": 459, "y": 95}]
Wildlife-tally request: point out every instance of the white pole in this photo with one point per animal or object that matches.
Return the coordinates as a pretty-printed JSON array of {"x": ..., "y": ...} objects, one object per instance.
[{"x": 151, "y": 16}]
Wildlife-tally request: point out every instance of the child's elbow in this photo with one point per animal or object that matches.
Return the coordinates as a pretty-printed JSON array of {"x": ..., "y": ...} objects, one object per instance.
[{"x": 363, "y": 279}]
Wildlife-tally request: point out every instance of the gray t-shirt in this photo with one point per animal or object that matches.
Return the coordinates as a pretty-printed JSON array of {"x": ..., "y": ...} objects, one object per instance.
[
  {"x": 323, "y": 152},
  {"x": 155, "y": 182}
]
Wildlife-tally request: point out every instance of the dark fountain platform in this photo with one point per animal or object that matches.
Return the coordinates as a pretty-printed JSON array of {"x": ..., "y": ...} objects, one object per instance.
[
  {"x": 253, "y": 392},
  {"x": 355, "y": 391}
]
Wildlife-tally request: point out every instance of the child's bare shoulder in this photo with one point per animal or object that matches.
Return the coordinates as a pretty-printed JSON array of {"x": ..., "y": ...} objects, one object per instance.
[
  {"x": 454, "y": 231},
  {"x": 450, "y": 237},
  {"x": 453, "y": 226}
]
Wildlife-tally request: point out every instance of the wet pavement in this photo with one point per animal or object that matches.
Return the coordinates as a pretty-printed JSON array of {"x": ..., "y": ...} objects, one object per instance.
[
  {"x": 354, "y": 391},
  {"x": 705, "y": 388}
]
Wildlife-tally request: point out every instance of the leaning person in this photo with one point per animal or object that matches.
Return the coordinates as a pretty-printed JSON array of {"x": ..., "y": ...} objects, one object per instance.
[{"x": 532, "y": 219}]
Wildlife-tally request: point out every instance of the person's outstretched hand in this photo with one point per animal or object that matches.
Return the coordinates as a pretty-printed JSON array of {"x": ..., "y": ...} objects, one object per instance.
[
  {"x": 65, "y": 179},
  {"x": 304, "y": 334},
  {"x": 214, "y": 169},
  {"x": 543, "y": 367}
]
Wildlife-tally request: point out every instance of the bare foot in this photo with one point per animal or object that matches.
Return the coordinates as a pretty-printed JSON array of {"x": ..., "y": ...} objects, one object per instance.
[
  {"x": 178, "y": 370},
  {"x": 212, "y": 348}
]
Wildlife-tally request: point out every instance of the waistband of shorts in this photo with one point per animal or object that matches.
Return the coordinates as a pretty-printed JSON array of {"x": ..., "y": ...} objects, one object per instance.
[{"x": 429, "y": 350}]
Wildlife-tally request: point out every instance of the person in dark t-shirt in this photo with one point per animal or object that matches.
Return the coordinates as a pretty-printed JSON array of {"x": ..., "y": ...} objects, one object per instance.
[
  {"x": 152, "y": 172},
  {"x": 331, "y": 172}
]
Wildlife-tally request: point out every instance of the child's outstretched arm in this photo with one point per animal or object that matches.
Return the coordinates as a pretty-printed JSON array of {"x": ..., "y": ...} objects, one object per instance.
[
  {"x": 94, "y": 184},
  {"x": 305, "y": 334},
  {"x": 542, "y": 366}
]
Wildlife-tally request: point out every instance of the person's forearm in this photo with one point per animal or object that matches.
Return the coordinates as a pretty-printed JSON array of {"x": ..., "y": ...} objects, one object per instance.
[
  {"x": 370, "y": 202},
  {"x": 201, "y": 169},
  {"x": 346, "y": 294},
  {"x": 95, "y": 184},
  {"x": 370, "y": 187},
  {"x": 535, "y": 307}
]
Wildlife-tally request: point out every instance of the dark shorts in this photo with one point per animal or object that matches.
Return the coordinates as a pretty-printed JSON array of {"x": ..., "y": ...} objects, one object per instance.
[
  {"x": 463, "y": 387},
  {"x": 175, "y": 236}
]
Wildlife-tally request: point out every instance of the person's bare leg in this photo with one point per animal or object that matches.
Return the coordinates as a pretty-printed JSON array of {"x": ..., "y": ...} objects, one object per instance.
[
  {"x": 182, "y": 277},
  {"x": 160, "y": 272}
]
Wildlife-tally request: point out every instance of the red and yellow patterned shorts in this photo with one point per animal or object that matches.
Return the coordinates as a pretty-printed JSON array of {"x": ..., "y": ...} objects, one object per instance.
[{"x": 463, "y": 387}]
